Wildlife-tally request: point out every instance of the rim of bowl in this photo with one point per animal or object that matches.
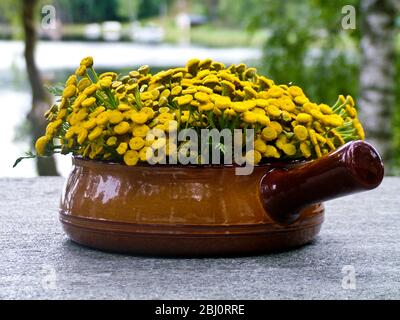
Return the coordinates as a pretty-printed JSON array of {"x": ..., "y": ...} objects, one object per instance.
[{"x": 191, "y": 166}]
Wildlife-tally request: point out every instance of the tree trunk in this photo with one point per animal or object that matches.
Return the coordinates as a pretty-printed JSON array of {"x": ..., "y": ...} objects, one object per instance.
[
  {"x": 212, "y": 6},
  {"x": 40, "y": 99},
  {"x": 377, "y": 76}
]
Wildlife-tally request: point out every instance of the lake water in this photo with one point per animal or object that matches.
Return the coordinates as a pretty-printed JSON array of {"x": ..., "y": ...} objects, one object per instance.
[{"x": 57, "y": 59}]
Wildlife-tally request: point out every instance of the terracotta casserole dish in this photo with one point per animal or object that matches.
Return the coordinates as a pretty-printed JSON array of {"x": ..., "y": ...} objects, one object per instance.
[{"x": 208, "y": 210}]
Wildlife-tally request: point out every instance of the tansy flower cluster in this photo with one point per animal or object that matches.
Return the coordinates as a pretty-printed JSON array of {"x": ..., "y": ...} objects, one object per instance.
[{"x": 108, "y": 116}]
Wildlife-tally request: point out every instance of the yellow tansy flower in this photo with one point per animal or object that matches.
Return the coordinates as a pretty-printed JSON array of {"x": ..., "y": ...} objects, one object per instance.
[
  {"x": 82, "y": 134},
  {"x": 122, "y": 148},
  {"x": 87, "y": 62},
  {"x": 313, "y": 137},
  {"x": 70, "y": 132},
  {"x": 71, "y": 80},
  {"x": 253, "y": 156},
  {"x": 192, "y": 66},
  {"x": 295, "y": 91},
  {"x": 305, "y": 149},
  {"x": 351, "y": 101},
  {"x": 303, "y": 118},
  {"x": 78, "y": 101},
  {"x": 81, "y": 115},
  {"x": 95, "y": 133},
  {"x": 41, "y": 145},
  {"x": 275, "y": 92},
  {"x": 105, "y": 83},
  {"x": 301, "y": 100},
  {"x": 206, "y": 106},
  {"x": 250, "y": 93},
  {"x": 143, "y": 154},
  {"x": 271, "y": 152},
  {"x": 202, "y": 94},
  {"x": 176, "y": 90},
  {"x": 140, "y": 130},
  {"x": 136, "y": 143},
  {"x": 240, "y": 106},
  {"x": 81, "y": 70},
  {"x": 222, "y": 102},
  {"x": 131, "y": 157},
  {"x": 190, "y": 90},
  {"x": 164, "y": 117},
  {"x": 88, "y": 102},
  {"x": 97, "y": 111},
  {"x": 124, "y": 107},
  {"x": 111, "y": 141},
  {"x": 289, "y": 149},
  {"x": 273, "y": 111},
  {"x": 112, "y": 75},
  {"x": 69, "y": 91},
  {"x": 139, "y": 117},
  {"x": 83, "y": 84},
  {"x": 333, "y": 120},
  {"x": 90, "y": 89},
  {"x": 260, "y": 145},
  {"x": 325, "y": 108},
  {"x": 277, "y": 126},
  {"x": 269, "y": 133},
  {"x": 184, "y": 100},
  {"x": 62, "y": 113},
  {"x": 263, "y": 119},
  {"x": 359, "y": 128},
  {"x": 148, "y": 111},
  {"x": 90, "y": 124},
  {"x": 115, "y": 117},
  {"x": 122, "y": 128},
  {"x": 300, "y": 132},
  {"x": 249, "y": 117},
  {"x": 202, "y": 97},
  {"x": 103, "y": 118}
]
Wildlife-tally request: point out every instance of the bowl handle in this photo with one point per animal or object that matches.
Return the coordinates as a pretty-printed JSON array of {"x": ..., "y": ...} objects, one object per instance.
[{"x": 354, "y": 167}]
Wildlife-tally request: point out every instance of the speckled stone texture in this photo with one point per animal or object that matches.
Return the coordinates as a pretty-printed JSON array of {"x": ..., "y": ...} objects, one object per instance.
[{"x": 37, "y": 261}]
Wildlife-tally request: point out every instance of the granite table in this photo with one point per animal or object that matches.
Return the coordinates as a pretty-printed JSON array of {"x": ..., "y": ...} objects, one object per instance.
[{"x": 356, "y": 256}]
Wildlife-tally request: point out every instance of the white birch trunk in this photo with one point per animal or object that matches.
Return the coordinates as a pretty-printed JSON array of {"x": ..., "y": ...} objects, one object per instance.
[{"x": 377, "y": 74}]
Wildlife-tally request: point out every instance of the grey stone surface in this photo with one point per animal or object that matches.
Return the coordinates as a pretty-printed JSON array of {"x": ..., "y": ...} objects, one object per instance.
[{"x": 37, "y": 261}]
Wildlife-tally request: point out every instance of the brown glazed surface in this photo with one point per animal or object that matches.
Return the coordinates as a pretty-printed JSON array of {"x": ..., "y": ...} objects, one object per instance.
[
  {"x": 355, "y": 167},
  {"x": 195, "y": 210}
]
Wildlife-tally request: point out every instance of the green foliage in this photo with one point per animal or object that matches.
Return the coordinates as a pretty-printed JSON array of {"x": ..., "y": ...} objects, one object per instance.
[
  {"x": 87, "y": 10},
  {"x": 148, "y": 8},
  {"x": 308, "y": 47},
  {"x": 56, "y": 90},
  {"x": 28, "y": 155},
  {"x": 128, "y": 9},
  {"x": 396, "y": 124},
  {"x": 240, "y": 13}
]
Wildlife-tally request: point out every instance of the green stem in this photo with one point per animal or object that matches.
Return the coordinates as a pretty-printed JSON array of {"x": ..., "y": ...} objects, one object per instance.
[{"x": 94, "y": 74}]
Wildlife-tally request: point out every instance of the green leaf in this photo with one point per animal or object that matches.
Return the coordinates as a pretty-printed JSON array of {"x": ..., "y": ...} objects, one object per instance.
[
  {"x": 137, "y": 99},
  {"x": 28, "y": 155},
  {"x": 210, "y": 119},
  {"x": 56, "y": 90}
]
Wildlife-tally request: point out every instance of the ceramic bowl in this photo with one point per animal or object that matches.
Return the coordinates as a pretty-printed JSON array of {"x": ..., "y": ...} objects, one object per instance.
[{"x": 209, "y": 210}]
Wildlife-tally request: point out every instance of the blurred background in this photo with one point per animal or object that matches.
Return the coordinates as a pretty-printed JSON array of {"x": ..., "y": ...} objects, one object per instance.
[{"x": 326, "y": 47}]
